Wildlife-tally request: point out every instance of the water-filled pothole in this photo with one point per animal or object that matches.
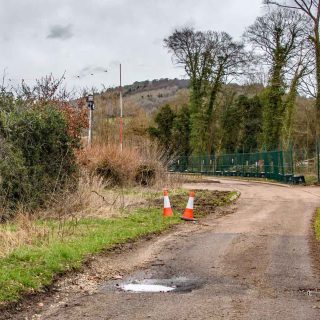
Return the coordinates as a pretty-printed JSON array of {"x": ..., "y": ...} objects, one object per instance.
[
  {"x": 132, "y": 287},
  {"x": 181, "y": 284}
]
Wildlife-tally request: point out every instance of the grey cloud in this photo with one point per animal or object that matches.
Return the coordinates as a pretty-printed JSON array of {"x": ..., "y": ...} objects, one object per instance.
[
  {"x": 60, "y": 32},
  {"x": 88, "y": 37},
  {"x": 89, "y": 70}
]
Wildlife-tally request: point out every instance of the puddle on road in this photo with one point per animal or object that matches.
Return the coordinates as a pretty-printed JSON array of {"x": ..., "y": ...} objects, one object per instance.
[
  {"x": 177, "y": 285},
  {"x": 146, "y": 288}
]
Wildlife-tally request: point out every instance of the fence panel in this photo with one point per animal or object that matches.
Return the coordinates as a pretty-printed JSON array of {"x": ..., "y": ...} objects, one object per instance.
[{"x": 276, "y": 165}]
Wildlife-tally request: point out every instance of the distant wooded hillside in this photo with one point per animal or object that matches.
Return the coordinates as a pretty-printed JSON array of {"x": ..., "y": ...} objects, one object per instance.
[{"x": 145, "y": 95}]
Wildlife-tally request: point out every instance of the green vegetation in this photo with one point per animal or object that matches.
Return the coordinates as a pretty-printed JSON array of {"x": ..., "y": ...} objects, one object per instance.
[
  {"x": 172, "y": 130},
  {"x": 33, "y": 266},
  {"x": 311, "y": 180},
  {"x": 41, "y": 131},
  {"x": 37, "y": 152},
  {"x": 164, "y": 120},
  {"x": 317, "y": 224},
  {"x": 208, "y": 58},
  {"x": 30, "y": 267},
  {"x": 281, "y": 36},
  {"x": 309, "y": 11},
  {"x": 241, "y": 125},
  {"x": 37, "y": 142},
  {"x": 260, "y": 116}
]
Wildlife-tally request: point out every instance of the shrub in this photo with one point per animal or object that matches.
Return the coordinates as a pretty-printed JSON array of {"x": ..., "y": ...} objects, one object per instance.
[
  {"x": 145, "y": 174},
  {"x": 111, "y": 173},
  {"x": 38, "y": 157},
  {"x": 13, "y": 179},
  {"x": 128, "y": 167},
  {"x": 114, "y": 166}
]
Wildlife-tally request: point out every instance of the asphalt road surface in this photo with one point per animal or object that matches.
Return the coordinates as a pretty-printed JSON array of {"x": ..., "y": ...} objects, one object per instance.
[{"x": 254, "y": 263}]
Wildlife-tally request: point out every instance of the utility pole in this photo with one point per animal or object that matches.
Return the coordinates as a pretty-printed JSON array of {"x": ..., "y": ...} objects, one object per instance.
[
  {"x": 121, "y": 113},
  {"x": 90, "y": 127}
]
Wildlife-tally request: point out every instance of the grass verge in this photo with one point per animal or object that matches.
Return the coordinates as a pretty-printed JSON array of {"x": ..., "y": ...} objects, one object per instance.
[
  {"x": 36, "y": 263},
  {"x": 31, "y": 267}
]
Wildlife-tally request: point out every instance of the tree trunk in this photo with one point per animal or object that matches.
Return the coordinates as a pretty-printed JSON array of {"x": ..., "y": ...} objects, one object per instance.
[
  {"x": 289, "y": 112},
  {"x": 274, "y": 109},
  {"x": 317, "y": 53}
]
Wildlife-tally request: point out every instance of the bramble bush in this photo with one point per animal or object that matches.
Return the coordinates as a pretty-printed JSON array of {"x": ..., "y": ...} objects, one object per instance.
[{"x": 37, "y": 152}]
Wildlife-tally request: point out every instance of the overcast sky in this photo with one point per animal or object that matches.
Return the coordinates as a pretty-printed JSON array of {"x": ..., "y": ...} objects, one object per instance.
[{"x": 84, "y": 37}]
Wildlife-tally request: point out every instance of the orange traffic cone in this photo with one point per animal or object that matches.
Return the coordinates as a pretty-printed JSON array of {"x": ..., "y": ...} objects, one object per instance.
[
  {"x": 167, "y": 210},
  {"x": 188, "y": 212}
]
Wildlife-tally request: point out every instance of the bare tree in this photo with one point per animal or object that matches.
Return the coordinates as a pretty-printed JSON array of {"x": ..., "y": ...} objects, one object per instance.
[
  {"x": 45, "y": 89},
  {"x": 279, "y": 38},
  {"x": 311, "y": 9},
  {"x": 191, "y": 49},
  {"x": 229, "y": 60},
  {"x": 209, "y": 59}
]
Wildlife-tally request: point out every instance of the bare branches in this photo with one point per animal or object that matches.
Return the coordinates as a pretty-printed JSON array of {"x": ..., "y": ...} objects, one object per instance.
[
  {"x": 45, "y": 89},
  {"x": 311, "y": 10},
  {"x": 281, "y": 39},
  {"x": 210, "y": 59},
  {"x": 191, "y": 49},
  {"x": 309, "y": 7},
  {"x": 308, "y": 85},
  {"x": 206, "y": 55}
]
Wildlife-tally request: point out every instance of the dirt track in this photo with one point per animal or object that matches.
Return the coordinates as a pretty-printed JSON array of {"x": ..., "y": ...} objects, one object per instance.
[{"x": 252, "y": 264}]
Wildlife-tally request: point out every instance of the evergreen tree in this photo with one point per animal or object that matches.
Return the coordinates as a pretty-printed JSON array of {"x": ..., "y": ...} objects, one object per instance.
[
  {"x": 164, "y": 120},
  {"x": 232, "y": 124},
  {"x": 181, "y": 132},
  {"x": 252, "y": 122},
  {"x": 241, "y": 124},
  {"x": 173, "y": 130}
]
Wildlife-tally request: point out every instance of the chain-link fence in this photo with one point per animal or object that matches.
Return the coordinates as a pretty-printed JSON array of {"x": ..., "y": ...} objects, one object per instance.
[
  {"x": 276, "y": 165},
  {"x": 307, "y": 163}
]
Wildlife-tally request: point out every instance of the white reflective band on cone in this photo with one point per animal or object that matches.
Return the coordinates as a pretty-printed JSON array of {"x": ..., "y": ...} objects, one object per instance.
[
  {"x": 166, "y": 201},
  {"x": 190, "y": 203}
]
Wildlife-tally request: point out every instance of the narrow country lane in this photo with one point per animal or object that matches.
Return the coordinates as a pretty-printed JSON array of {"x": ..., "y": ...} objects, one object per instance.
[{"x": 252, "y": 264}]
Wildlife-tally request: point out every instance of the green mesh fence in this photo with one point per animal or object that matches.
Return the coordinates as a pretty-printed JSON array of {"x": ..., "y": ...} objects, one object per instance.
[
  {"x": 275, "y": 165},
  {"x": 307, "y": 163}
]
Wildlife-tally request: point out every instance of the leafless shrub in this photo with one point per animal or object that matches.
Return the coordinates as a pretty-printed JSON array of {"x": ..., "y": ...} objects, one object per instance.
[{"x": 144, "y": 165}]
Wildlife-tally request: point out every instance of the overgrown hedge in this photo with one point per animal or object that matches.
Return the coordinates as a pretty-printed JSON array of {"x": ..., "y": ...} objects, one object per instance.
[{"x": 37, "y": 155}]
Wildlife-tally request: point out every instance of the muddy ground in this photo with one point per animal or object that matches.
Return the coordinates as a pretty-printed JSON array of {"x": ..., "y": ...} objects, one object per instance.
[{"x": 257, "y": 262}]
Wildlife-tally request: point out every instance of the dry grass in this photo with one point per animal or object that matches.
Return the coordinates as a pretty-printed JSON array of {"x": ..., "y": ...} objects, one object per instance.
[
  {"x": 21, "y": 231},
  {"x": 144, "y": 165},
  {"x": 95, "y": 196},
  {"x": 82, "y": 201},
  {"x": 90, "y": 200},
  {"x": 119, "y": 166}
]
